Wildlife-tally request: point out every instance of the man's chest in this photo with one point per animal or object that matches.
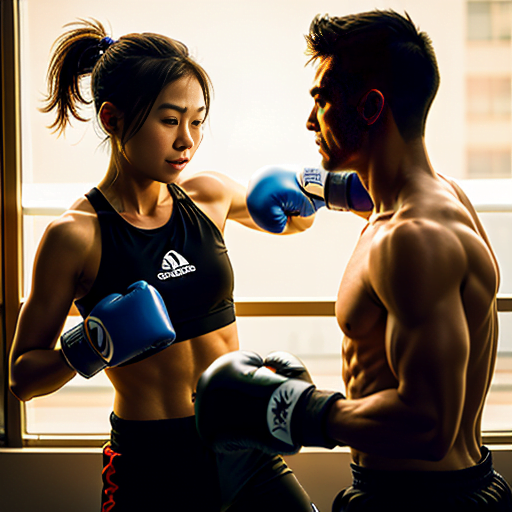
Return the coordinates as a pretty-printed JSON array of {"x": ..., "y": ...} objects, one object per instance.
[
  {"x": 363, "y": 319},
  {"x": 358, "y": 309}
]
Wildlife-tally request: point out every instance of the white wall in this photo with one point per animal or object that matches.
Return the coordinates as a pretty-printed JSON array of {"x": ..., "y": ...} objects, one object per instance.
[{"x": 254, "y": 52}]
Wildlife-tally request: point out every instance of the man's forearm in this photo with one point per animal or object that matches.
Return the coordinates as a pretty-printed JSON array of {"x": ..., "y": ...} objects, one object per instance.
[{"x": 383, "y": 425}]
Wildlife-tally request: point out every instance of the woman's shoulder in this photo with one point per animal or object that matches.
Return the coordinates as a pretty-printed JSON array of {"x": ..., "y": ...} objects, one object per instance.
[
  {"x": 75, "y": 228},
  {"x": 219, "y": 196},
  {"x": 206, "y": 186}
]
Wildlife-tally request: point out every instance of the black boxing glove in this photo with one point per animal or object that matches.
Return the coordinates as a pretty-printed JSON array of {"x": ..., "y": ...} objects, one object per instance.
[{"x": 243, "y": 401}]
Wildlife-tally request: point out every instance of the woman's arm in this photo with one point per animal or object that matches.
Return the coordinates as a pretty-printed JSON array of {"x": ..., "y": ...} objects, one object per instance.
[
  {"x": 36, "y": 365},
  {"x": 223, "y": 198}
]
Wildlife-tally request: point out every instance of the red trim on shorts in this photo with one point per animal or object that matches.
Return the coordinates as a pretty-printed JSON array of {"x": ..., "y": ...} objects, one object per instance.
[{"x": 108, "y": 472}]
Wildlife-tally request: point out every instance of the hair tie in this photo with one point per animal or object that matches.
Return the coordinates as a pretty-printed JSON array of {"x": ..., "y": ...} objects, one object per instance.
[
  {"x": 105, "y": 43},
  {"x": 92, "y": 55}
]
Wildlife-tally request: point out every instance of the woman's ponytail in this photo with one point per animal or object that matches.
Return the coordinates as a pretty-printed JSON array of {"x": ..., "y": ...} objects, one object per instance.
[
  {"x": 75, "y": 55},
  {"x": 129, "y": 73}
]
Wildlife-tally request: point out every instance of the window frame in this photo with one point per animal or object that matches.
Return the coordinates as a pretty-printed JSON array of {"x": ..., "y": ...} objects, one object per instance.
[{"x": 11, "y": 255}]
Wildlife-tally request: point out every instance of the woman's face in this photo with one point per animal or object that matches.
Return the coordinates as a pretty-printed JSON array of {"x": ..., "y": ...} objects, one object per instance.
[{"x": 171, "y": 134}]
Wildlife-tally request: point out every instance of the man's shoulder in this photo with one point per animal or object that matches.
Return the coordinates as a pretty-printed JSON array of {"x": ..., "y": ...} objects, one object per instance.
[
  {"x": 438, "y": 213},
  {"x": 414, "y": 263},
  {"x": 411, "y": 249},
  {"x": 408, "y": 233}
]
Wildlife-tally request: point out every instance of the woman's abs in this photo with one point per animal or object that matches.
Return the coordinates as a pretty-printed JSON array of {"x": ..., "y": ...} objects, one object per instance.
[{"x": 163, "y": 385}]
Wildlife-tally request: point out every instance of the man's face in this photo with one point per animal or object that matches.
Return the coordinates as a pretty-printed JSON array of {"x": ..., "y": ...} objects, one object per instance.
[{"x": 335, "y": 121}]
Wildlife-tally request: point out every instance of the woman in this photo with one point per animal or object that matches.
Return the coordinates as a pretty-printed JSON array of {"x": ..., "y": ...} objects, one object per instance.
[{"x": 144, "y": 222}]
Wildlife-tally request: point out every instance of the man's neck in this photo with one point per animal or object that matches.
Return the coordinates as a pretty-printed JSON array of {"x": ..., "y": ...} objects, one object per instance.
[{"x": 392, "y": 167}]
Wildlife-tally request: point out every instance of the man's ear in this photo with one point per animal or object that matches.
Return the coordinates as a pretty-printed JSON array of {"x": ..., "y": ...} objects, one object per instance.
[
  {"x": 371, "y": 105},
  {"x": 111, "y": 118}
]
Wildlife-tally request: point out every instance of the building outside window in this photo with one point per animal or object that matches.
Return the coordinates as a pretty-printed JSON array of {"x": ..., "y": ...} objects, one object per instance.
[
  {"x": 489, "y": 20},
  {"x": 488, "y": 89}
]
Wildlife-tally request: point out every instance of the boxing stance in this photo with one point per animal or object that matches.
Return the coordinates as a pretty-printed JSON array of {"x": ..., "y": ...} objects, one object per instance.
[
  {"x": 144, "y": 221},
  {"x": 416, "y": 304}
]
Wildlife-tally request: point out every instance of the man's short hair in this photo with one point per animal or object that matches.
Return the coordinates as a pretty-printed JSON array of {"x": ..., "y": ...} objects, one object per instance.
[{"x": 380, "y": 50}]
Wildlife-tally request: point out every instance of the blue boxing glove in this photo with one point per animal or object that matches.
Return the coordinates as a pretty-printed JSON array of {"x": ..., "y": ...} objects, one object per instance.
[
  {"x": 273, "y": 195},
  {"x": 276, "y": 193},
  {"x": 341, "y": 191},
  {"x": 243, "y": 401},
  {"x": 118, "y": 329}
]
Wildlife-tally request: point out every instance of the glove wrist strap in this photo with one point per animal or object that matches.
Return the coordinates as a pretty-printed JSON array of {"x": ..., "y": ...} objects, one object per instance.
[
  {"x": 311, "y": 421},
  {"x": 280, "y": 409},
  {"x": 336, "y": 191},
  {"x": 79, "y": 353}
]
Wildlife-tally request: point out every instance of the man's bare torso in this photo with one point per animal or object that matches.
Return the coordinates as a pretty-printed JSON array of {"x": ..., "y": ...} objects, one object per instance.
[{"x": 368, "y": 355}]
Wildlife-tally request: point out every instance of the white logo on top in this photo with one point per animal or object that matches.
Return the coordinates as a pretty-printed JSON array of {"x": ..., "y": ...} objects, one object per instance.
[{"x": 175, "y": 265}]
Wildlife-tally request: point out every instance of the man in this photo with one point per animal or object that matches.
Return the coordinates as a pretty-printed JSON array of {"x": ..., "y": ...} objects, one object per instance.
[{"x": 417, "y": 302}]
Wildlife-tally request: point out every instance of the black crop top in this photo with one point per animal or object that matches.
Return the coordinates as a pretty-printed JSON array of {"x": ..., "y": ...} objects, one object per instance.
[{"x": 186, "y": 260}]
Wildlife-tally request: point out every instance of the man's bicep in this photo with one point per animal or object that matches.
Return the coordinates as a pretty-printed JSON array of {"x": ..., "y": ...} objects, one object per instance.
[
  {"x": 430, "y": 361},
  {"x": 432, "y": 352},
  {"x": 416, "y": 270},
  {"x": 417, "y": 273}
]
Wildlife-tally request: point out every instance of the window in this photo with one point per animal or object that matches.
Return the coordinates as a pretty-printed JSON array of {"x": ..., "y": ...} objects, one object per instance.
[
  {"x": 488, "y": 73},
  {"x": 257, "y": 120},
  {"x": 488, "y": 97},
  {"x": 489, "y": 163},
  {"x": 489, "y": 20}
]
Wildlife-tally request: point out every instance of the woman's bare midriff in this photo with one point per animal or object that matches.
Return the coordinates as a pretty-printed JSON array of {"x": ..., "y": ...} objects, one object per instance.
[{"x": 163, "y": 385}]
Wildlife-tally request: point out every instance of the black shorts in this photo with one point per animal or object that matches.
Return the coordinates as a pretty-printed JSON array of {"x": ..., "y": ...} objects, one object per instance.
[
  {"x": 164, "y": 466},
  {"x": 478, "y": 488}
]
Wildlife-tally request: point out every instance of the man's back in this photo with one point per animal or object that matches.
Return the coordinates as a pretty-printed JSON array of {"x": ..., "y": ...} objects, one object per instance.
[{"x": 417, "y": 305}]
